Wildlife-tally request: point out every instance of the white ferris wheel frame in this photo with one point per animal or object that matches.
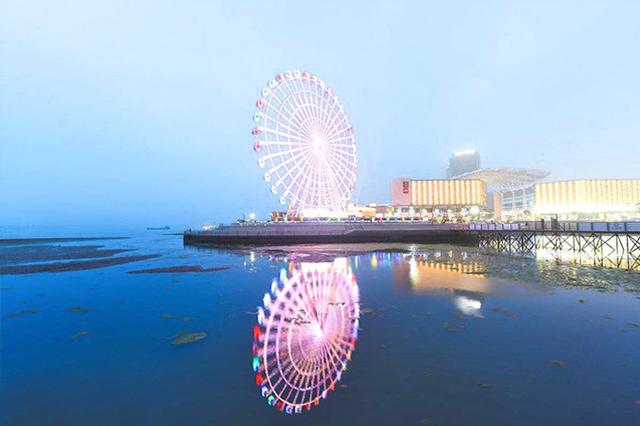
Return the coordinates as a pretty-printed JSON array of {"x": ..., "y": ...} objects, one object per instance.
[{"x": 306, "y": 144}]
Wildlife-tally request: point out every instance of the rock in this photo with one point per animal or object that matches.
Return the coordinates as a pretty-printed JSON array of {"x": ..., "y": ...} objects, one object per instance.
[
  {"x": 452, "y": 328},
  {"x": 78, "y": 310},
  {"x": 185, "y": 338},
  {"x": 72, "y": 266},
  {"x": 483, "y": 385},
  {"x": 557, "y": 363},
  {"x": 180, "y": 268},
  {"x": 167, "y": 316},
  {"x": 21, "y": 313},
  {"x": 79, "y": 334}
]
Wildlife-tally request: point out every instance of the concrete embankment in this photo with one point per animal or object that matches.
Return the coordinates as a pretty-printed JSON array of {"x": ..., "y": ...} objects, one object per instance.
[{"x": 328, "y": 233}]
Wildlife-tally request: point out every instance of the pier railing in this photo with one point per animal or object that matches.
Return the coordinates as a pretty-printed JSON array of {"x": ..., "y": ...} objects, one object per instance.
[{"x": 563, "y": 226}]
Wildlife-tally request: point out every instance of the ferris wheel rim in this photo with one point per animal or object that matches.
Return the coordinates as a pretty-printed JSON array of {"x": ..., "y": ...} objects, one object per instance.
[{"x": 305, "y": 142}]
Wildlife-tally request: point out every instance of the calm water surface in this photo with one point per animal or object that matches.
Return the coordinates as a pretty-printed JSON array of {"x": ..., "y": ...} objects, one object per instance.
[{"x": 442, "y": 336}]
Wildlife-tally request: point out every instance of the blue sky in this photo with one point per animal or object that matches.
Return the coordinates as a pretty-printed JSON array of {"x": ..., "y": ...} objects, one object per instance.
[{"x": 120, "y": 113}]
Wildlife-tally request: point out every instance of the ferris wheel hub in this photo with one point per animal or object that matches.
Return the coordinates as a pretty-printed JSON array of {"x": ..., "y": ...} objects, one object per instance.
[{"x": 318, "y": 142}]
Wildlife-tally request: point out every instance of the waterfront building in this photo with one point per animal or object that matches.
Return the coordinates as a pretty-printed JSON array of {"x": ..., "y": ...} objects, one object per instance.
[
  {"x": 463, "y": 162},
  {"x": 508, "y": 194},
  {"x": 581, "y": 199},
  {"x": 588, "y": 199},
  {"x": 361, "y": 212},
  {"x": 509, "y": 190},
  {"x": 433, "y": 198}
]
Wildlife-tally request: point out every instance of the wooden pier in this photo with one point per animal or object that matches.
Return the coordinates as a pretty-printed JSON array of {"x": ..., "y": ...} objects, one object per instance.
[{"x": 602, "y": 244}]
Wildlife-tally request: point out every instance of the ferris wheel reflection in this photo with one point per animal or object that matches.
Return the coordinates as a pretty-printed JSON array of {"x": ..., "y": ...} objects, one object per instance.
[{"x": 306, "y": 331}]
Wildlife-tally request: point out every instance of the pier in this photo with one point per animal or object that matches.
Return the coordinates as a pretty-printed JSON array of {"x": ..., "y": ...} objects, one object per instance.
[
  {"x": 610, "y": 244},
  {"x": 288, "y": 233},
  {"x": 601, "y": 244}
]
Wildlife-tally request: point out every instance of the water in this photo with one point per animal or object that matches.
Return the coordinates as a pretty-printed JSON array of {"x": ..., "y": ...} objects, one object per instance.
[{"x": 445, "y": 336}]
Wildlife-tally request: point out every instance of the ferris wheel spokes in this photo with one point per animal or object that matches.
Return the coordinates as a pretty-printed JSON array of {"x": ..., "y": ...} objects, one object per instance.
[{"x": 308, "y": 143}]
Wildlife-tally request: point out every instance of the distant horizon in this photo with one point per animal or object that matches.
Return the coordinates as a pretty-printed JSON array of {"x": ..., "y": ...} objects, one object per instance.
[{"x": 119, "y": 116}]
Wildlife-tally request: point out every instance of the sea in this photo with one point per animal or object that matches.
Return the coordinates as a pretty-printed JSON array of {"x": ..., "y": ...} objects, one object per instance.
[{"x": 143, "y": 330}]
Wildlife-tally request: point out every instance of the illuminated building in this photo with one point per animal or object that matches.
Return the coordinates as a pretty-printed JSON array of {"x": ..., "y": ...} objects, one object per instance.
[
  {"x": 424, "y": 197},
  {"x": 508, "y": 189},
  {"x": 358, "y": 211},
  {"x": 463, "y": 162},
  {"x": 597, "y": 199}
]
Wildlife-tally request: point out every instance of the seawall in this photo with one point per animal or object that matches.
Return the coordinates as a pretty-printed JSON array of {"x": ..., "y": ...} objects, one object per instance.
[{"x": 287, "y": 233}]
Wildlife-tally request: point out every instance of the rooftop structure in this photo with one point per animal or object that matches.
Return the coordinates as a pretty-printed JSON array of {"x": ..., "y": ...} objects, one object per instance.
[
  {"x": 504, "y": 179},
  {"x": 463, "y": 162}
]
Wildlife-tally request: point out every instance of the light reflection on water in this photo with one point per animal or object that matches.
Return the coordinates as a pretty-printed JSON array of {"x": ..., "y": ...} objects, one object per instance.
[
  {"x": 446, "y": 335},
  {"x": 307, "y": 329}
]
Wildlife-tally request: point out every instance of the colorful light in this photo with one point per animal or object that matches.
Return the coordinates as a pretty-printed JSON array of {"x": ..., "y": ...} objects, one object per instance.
[
  {"x": 307, "y": 334},
  {"x": 306, "y": 142}
]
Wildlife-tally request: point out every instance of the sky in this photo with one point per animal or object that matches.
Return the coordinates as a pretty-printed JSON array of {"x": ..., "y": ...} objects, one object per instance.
[{"x": 119, "y": 114}]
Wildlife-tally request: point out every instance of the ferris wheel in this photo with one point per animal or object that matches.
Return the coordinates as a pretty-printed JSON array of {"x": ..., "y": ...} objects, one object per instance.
[
  {"x": 305, "y": 335},
  {"x": 305, "y": 143}
]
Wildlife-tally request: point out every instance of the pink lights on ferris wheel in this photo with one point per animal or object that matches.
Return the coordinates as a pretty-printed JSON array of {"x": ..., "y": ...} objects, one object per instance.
[
  {"x": 307, "y": 329},
  {"x": 305, "y": 142}
]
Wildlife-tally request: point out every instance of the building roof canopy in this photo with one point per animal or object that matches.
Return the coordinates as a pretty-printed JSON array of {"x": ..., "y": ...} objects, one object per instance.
[{"x": 504, "y": 179}]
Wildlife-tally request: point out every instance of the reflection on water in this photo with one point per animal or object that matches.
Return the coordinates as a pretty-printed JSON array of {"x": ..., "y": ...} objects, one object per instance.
[
  {"x": 470, "y": 305},
  {"x": 468, "y": 274},
  {"x": 452, "y": 336},
  {"x": 426, "y": 275},
  {"x": 306, "y": 331},
  {"x": 466, "y": 281},
  {"x": 432, "y": 268}
]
